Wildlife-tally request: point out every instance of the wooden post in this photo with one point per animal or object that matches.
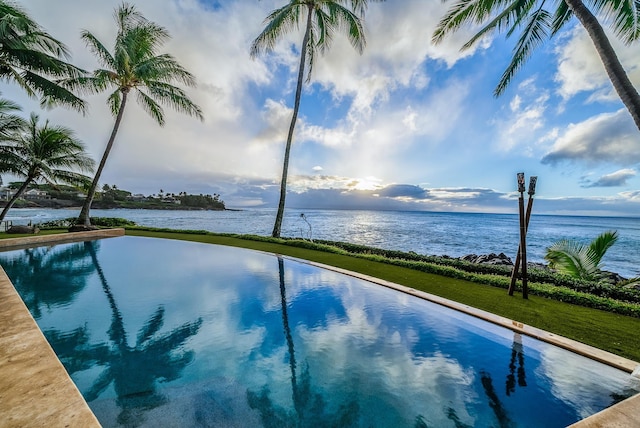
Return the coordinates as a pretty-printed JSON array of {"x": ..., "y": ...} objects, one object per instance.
[
  {"x": 523, "y": 235},
  {"x": 516, "y": 264}
]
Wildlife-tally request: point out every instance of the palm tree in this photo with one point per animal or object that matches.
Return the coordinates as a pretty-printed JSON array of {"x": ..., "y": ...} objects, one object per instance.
[
  {"x": 133, "y": 66},
  {"x": 323, "y": 18},
  {"x": 44, "y": 153},
  {"x": 538, "y": 24},
  {"x": 579, "y": 260},
  {"x": 30, "y": 57}
]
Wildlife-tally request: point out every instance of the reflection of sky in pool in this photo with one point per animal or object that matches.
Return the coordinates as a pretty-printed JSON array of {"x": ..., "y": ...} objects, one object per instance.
[{"x": 157, "y": 332}]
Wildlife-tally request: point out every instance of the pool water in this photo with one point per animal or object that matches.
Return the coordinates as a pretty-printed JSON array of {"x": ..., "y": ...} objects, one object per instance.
[{"x": 169, "y": 333}]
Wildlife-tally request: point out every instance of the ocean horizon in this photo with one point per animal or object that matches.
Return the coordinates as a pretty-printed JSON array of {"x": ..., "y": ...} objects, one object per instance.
[{"x": 453, "y": 234}]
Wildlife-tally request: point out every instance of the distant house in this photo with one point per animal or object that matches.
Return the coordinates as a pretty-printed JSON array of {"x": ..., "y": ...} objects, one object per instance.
[
  {"x": 138, "y": 197},
  {"x": 171, "y": 200},
  {"x": 35, "y": 194},
  {"x": 6, "y": 193}
]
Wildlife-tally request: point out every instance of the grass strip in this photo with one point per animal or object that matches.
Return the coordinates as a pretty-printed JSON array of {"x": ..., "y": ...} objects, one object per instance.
[{"x": 612, "y": 332}]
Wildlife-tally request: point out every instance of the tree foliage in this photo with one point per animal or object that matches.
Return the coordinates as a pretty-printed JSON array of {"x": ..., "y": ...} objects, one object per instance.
[
  {"x": 133, "y": 66},
  {"x": 33, "y": 59},
  {"x": 579, "y": 260}
]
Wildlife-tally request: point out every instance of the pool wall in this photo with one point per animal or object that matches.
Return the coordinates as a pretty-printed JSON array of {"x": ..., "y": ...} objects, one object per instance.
[{"x": 35, "y": 389}]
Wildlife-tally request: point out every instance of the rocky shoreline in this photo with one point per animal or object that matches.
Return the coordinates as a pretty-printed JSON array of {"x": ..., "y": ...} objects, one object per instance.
[{"x": 503, "y": 260}]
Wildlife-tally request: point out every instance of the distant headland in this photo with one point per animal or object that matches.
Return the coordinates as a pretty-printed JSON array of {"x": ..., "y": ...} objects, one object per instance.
[{"x": 47, "y": 196}]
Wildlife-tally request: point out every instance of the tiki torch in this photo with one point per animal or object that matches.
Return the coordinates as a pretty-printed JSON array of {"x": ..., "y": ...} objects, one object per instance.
[{"x": 516, "y": 265}]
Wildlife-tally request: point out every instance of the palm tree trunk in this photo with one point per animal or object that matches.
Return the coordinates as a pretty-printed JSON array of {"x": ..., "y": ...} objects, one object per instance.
[
  {"x": 285, "y": 167},
  {"x": 15, "y": 198},
  {"x": 84, "y": 218},
  {"x": 621, "y": 83}
]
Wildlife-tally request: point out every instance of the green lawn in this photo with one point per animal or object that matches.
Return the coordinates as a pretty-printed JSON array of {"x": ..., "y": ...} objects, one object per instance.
[{"x": 615, "y": 333}]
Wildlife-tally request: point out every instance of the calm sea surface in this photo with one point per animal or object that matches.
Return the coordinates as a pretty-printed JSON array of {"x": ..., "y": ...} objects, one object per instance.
[{"x": 453, "y": 234}]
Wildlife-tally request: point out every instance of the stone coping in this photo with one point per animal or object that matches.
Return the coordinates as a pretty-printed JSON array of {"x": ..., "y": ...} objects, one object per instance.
[
  {"x": 625, "y": 414},
  {"x": 8, "y": 244},
  {"x": 35, "y": 389}
]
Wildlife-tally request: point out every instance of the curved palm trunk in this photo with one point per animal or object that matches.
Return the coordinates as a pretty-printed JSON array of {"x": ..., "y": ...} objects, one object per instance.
[
  {"x": 287, "y": 333},
  {"x": 15, "y": 198},
  {"x": 621, "y": 83},
  {"x": 84, "y": 218},
  {"x": 285, "y": 167},
  {"x": 117, "y": 332}
]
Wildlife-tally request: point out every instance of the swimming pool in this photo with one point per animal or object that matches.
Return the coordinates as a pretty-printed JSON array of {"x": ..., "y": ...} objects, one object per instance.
[{"x": 157, "y": 332}]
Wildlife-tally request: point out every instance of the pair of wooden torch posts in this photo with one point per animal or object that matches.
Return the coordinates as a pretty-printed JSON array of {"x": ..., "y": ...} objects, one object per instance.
[{"x": 521, "y": 257}]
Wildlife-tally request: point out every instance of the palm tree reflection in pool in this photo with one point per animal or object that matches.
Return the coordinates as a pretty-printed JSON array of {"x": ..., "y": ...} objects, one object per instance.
[
  {"x": 133, "y": 370},
  {"x": 309, "y": 406},
  {"x": 49, "y": 276}
]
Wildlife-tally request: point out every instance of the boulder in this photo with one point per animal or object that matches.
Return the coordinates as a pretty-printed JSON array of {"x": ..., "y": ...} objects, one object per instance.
[
  {"x": 489, "y": 259},
  {"x": 21, "y": 229}
]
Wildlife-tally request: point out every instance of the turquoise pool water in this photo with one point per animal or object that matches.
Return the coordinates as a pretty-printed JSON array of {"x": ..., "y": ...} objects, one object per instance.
[{"x": 169, "y": 333}]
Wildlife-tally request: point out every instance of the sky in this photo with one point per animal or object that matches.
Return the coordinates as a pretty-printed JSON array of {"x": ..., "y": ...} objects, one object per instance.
[{"x": 406, "y": 125}]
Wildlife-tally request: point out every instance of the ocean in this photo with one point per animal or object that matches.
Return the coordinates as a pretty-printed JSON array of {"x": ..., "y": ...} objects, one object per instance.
[{"x": 431, "y": 233}]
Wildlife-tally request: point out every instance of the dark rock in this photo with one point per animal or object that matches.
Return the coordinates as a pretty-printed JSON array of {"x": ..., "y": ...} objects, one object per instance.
[
  {"x": 612, "y": 277},
  {"x": 20, "y": 229},
  {"x": 489, "y": 259}
]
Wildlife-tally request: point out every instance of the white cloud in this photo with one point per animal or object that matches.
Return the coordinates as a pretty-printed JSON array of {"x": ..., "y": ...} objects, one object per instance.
[
  {"x": 605, "y": 138},
  {"x": 581, "y": 70}
]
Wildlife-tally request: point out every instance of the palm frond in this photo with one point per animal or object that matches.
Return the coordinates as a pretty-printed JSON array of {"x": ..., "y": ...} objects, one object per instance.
[
  {"x": 601, "y": 244},
  {"x": 114, "y": 101},
  {"x": 279, "y": 22},
  {"x": 151, "y": 107},
  {"x": 99, "y": 50},
  {"x": 52, "y": 93},
  {"x": 163, "y": 68},
  {"x": 535, "y": 33},
  {"x": 174, "y": 97},
  {"x": 562, "y": 15}
]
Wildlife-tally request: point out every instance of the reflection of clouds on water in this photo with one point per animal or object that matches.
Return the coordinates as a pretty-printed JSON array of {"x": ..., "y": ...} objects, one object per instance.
[
  {"x": 402, "y": 385},
  {"x": 573, "y": 379}
]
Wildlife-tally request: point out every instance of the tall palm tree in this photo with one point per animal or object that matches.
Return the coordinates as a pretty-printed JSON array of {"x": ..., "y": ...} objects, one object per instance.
[
  {"x": 134, "y": 66},
  {"x": 33, "y": 59},
  {"x": 44, "y": 153},
  {"x": 538, "y": 24},
  {"x": 322, "y": 19},
  {"x": 579, "y": 260}
]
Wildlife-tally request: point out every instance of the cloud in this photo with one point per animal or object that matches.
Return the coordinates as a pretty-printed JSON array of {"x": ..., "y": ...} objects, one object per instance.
[
  {"x": 615, "y": 179},
  {"x": 605, "y": 138},
  {"x": 524, "y": 119},
  {"x": 580, "y": 68}
]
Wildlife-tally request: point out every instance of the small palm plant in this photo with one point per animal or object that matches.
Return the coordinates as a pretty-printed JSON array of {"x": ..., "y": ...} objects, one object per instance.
[{"x": 579, "y": 260}]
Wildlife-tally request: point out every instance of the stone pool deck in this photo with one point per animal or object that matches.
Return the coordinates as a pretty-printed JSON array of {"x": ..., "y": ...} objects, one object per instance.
[{"x": 36, "y": 391}]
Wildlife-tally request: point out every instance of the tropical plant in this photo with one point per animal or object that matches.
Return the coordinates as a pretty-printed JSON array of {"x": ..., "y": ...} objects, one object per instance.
[
  {"x": 134, "y": 66},
  {"x": 538, "y": 24},
  {"x": 31, "y": 57},
  {"x": 44, "y": 153},
  {"x": 322, "y": 19},
  {"x": 579, "y": 260}
]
